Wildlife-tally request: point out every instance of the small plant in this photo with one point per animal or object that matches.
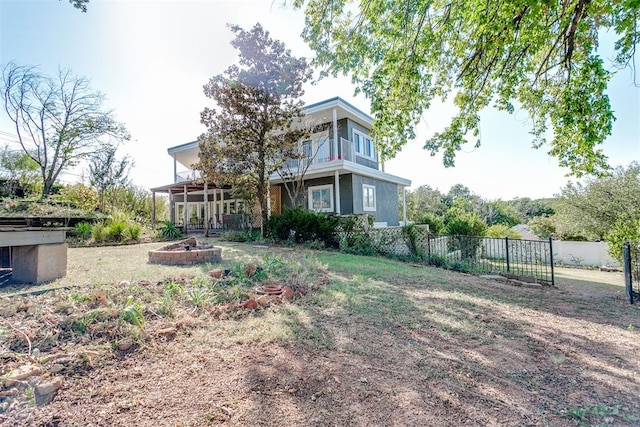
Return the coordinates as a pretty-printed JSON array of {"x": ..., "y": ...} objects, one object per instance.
[
  {"x": 99, "y": 232},
  {"x": 115, "y": 230},
  {"x": 274, "y": 265},
  {"x": 132, "y": 313},
  {"x": 83, "y": 230},
  {"x": 169, "y": 231},
  {"x": 132, "y": 232},
  {"x": 198, "y": 297},
  {"x": 437, "y": 260}
]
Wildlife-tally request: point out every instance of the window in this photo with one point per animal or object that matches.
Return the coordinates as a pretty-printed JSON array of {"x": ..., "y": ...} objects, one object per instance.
[
  {"x": 318, "y": 147},
  {"x": 364, "y": 144},
  {"x": 368, "y": 197},
  {"x": 321, "y": 198}
]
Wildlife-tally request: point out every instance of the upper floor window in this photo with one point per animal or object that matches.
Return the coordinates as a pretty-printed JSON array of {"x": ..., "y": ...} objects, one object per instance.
[
  {"x": 364, "y": 144},
  {"x": 318, "y": 147}
]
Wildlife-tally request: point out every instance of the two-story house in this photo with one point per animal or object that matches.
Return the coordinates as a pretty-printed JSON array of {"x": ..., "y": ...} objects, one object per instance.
[{"x": 342, "y": 175}]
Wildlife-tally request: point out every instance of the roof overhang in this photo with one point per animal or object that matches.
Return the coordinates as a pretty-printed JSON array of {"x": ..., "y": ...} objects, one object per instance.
[
  {"x": 345, "y": 167},
  {"x": 318, "y": 113}
]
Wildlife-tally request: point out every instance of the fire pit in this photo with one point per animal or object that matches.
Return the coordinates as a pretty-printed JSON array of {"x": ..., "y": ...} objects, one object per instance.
[{"x": 185, "y": 252}]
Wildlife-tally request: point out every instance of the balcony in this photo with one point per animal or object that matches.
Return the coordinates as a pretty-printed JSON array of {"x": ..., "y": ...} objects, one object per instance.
[{"x": 323, "y": 153}]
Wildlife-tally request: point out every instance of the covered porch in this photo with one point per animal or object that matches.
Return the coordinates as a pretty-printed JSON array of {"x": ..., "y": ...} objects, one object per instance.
[{"x": 197, "y": 206}]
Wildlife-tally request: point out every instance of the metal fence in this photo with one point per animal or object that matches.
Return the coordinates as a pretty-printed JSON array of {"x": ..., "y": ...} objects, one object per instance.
[
  {"x": 631, "y": 261},
  {"x": 526, "y": 260}
]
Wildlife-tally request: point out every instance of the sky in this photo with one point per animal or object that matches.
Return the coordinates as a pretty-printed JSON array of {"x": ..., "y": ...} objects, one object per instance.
[{"x": 152, "y": 58}]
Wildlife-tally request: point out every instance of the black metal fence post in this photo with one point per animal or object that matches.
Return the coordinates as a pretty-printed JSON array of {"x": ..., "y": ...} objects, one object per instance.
[
  {"x": 628, "y": 275},
  {"x": 553, "y": 280},
  {"x": 506, "y": 245}
]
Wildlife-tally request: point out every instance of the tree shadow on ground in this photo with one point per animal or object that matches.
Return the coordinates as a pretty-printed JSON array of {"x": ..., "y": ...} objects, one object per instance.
[{"x": 447, "y": 348}]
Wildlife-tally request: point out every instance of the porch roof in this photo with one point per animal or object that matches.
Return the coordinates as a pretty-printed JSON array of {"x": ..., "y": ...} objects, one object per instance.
[{"x": 192, "y": 187}]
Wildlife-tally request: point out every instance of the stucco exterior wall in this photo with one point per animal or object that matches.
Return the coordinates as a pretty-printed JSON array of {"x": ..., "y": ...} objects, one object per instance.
[{"x": 386, "y": 200}]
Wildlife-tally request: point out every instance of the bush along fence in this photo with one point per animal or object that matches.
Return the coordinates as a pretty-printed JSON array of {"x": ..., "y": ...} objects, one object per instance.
[
  {"x": 631, "y": 261},
  {"x": 525, "y": 260}
]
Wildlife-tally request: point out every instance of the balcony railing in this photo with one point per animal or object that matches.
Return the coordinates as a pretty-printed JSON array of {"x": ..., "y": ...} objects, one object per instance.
[
  {"x": 325, "y": 154},
  {"x": 187, "y": 176}
]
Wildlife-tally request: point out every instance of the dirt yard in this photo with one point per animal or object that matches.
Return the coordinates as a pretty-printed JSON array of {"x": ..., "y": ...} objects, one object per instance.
[{"x": 364, "y": 342}]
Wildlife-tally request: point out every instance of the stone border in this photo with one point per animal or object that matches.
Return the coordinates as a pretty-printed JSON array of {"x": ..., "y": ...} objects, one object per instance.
[{"x": 184, "y": 257}]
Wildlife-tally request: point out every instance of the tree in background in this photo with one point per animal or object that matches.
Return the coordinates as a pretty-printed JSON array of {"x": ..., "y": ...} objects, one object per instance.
[
  {"x": 499, "y": 212},
  {"x": 106, "y": 172},
  {"x": 424, "y": 201},
  {"x": 249, "y": 133},
  {"x": 59, "y": 121},
  {"x": 593, "y": 209},
  {"x": 528, "y": 208},
  {"x": 543, "y": 226},
  {"x": 538, "y": 56},
  {"x": 18, "y": 169}
]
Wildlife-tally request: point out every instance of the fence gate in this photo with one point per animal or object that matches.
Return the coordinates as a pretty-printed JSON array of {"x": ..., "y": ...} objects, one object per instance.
[{"x": 631, "y": 258}]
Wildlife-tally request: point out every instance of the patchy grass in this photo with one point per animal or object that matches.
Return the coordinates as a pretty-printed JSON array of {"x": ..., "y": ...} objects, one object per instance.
[{"x": 368, "y": 341}]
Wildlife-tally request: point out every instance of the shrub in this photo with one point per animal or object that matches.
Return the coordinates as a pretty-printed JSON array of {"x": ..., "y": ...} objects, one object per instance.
[
  {"x": 115, "y": 230},
  {"x": 99, "y": 232},
  {"x": 301, "y": 226},
  {"x": 411, "y": 235},
  {"x": 83, "y": 230},
  {"x": 240, "y": 236},
  {"x": 435, "y": 223},
  {"x": 133, "y": 231},
  {"x": 459, "y": 222},
  {"x": 78, "y": 196},
  {"x": 358, "y": 243},
  {"x": 437, "y": 260},
  {"x": 169, "y": 231}
]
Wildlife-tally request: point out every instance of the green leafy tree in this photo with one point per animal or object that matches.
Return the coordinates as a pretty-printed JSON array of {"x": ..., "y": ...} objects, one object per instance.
[
  {"x": 499, "y": 212},
  {"x": 538, "y": 56},
  {"x": 18, "y": 169},
  {"x": 621, "y": 232},
  {"x": 435, "y": 223},
  {"x": 591, "y": 209},
  {"x": 249, "y": 134},
  {"x": 528, "y": 208},
  {"x": 502, "y": 230},
  {"x": 459, "y": 222},
  {"x": 106, "y": 172},
  {"x": 59, "y": 121},
  {"x": 422, "y": 201},
  {"x": 543, "y": 226}
]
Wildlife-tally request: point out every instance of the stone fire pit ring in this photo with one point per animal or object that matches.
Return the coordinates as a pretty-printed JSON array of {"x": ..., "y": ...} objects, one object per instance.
[{"x": 185, "y": 252}]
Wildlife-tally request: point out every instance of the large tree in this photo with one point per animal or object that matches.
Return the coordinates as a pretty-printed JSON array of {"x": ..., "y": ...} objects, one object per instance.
[
  {"x": 250, "y": 131},
  {"x": 594, "y": 209},
  {"x": 59, "y": 121},
  {"x": 540, "y": 56},
  {"x": 107, "y": 172}
]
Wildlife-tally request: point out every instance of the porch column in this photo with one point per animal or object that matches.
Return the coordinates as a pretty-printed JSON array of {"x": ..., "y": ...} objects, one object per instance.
[
  {"x": 206, "y": 210},
  {"x": 185, "y": 213},
  {"x": 153, "y": 210},
  {"x": 404, "y": 205},
  {"x": 172, "y": 207},
  {"x": 336, "y": 184},
  {"x": 335, "y": 133},
  {"x": 175, "y": 169},
  {"x": 268, "y": 201}
]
